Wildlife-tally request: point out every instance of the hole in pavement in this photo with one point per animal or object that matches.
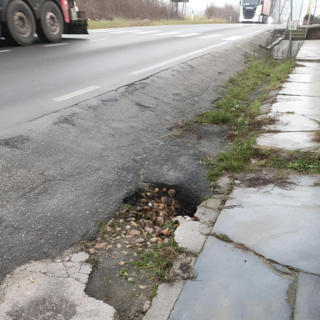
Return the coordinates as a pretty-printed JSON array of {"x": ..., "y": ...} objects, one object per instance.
[{"x": 187, "y": 204}]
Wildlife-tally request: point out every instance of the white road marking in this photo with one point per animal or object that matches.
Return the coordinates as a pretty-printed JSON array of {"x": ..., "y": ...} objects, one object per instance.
[
  {"x": 188, "y": 35},
  {"x": 56, "y": 44},
  {"x": 145, "y": 32},
  {"x": 102, "y": 30},
  {"x": 232, "y": 38},
  {"x": 176, "y": 59},
  {"x": 98, "y": 39},
  {"x": 249, "y": 34},
  {"x": 2, "y": 51},
  {"x": 167, "y": 33},
  {"x": 238, "y": 37},
  {"x": 74, "y": 94},
  {"x": 212, "y": 36},
  {"x": 126, "y": 31}
]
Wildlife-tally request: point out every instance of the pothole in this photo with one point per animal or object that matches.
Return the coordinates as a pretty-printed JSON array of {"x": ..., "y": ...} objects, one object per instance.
[{"x": 135, "y": 250}]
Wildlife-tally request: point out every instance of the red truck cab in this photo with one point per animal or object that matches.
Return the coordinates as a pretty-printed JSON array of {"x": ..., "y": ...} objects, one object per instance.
[{"x": 49, "y": 19}]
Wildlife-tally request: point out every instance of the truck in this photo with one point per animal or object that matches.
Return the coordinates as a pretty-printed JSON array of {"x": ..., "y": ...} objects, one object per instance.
[
  {"x": 256, "y": 11},
  {"x": 49, "y": 19}
]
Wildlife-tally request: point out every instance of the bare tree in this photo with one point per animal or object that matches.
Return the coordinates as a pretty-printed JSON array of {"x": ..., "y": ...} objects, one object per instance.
[
  {"x": 226, "y": 12},
  {"x": 129, "y": 9}
]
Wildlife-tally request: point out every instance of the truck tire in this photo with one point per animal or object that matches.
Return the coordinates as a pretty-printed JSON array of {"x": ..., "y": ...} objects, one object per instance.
[
  {"x": 21, "y": 24},
  {"x": 50, "y": 25}
]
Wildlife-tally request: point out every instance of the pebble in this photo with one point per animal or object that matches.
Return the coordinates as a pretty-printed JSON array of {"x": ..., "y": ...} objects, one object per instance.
[
  {"x": 146, "y": 306},
  {"x": 133, "y": 224},
  {"x": 166, "y": 200},
  {"x": 121, "y": 221},
  {"x": 130, "y": 279},
  {"x": 100, "y": 245},
  {"x": 119, "y": 246},
  {"x": 150, "y": 230},
  {"x": 117, "y": 238},
  {"x": 121, "y": 263},
  {"x": 109, "y": 229},
  {"x": 118, "y": 229},
  {"x": 140, "y": 240},
  {"x": 109, "y": 247},
  {"x": 92, "y": 251},
  {"x": 129, "y": 236},
  {"x": 128, "y": 227},
  {"x": 153, "y": 240},
  {"x": 135, "y": 233}
]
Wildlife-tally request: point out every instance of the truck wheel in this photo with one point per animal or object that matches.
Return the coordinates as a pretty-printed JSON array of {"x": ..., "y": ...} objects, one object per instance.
[
  {"x": 21, "y": 24},
  {"x": 50, "y": 26}
]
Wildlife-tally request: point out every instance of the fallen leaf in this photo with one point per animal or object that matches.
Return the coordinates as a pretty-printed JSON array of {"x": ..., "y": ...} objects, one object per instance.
[
  {"x": 142, "y": 287},
  {"x": 121, "y": 263},
  {"x": 32, "y": 280}
]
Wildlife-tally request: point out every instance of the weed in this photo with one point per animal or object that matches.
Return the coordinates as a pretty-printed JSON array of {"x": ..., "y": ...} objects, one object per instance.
[
  {"x": 123, "y": 273},
  {"x": 232, "y": 160},
  {"x": 302, "y": 164},
  {"x": 94, "y": 262},
  {"x": 218, "y": 117},
  {"x": 129, "y": 207},
  {"x": 206, "y": 198},
  {"x": 290, "y": 112},
  {"x": 101, "y": 224},
  {"x": 154, "y": 291},
  {"x": 157, "y": 261}
]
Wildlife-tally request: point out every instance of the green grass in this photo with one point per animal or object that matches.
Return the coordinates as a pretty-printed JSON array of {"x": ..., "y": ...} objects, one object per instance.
[
  {"x": 233, "y": 160},
  {"x": 237, "y": 110},
  {"x": 122, "y": 23},
  {"x": 157, "y": 261},
  {"x": 303, "y": 164}
]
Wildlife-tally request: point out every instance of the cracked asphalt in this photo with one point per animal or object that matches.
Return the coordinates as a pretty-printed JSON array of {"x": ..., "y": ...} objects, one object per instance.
[{"x": 62, "y": 173}]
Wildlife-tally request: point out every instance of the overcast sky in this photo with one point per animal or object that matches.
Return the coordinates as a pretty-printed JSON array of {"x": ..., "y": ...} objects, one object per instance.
[{"x": 201, "y": 4}]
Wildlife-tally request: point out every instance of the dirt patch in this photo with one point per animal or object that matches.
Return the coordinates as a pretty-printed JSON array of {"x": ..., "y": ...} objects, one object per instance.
[
  {"x": 135, "y": 251},
  {"x": 316, "y": 137},
  {"x": 258, "y": 124},
  {"x": 259, "y": 180}
]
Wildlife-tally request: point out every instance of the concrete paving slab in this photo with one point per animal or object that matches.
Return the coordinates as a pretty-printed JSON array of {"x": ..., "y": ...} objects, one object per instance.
[
  {"x": 232, "y": 285},
  {"x": 297, "y": 104},
  {"x": 163, "y": 303},
  {"x": 51, "y": 290},
  {"x": 301, "y": 89},
  {"x": 310, "y": 50},
  {"x": 307, "y": 306},
  {"x": 292, "y": 122},
  {"x": 306, "y": 68},
  {"x": 192, "y": 235},
  {"x": 289, "y": 141},
  {"x": 282, "y": 225},
  {"x": 207, "y": 216},
  {"x": 304, "y": 78}
]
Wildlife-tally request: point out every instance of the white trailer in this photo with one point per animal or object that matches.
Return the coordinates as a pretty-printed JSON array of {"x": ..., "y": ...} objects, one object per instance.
[{"x": 254, "y": 11}]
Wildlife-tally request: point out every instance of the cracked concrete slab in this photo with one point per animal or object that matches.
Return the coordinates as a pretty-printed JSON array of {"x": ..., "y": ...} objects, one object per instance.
[
  {"x": 232, "y": 284},
  {"x": 303, "y": 141},
  {"x": 282, "y": 225},
  {"x": 51, "y": 290},
  {"x": 192, "y": 235},
  {"x": 292, "y": 122},
  {"x": 301, "y": 89},
  {"x": 307, "y": 306},
  {"x": 310, "y": 51},
  {"x": 297, "y": 104}
]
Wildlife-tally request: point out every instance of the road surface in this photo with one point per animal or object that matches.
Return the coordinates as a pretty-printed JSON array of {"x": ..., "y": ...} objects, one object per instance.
[{"x": 44, "y": 78}]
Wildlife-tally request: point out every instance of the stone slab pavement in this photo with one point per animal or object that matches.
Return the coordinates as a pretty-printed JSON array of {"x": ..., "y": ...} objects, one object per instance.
[{"x": 261, "y": 260}]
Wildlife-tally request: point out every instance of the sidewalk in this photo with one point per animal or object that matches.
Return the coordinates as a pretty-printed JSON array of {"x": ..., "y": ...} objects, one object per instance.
[{"x": 266, "y": 264}]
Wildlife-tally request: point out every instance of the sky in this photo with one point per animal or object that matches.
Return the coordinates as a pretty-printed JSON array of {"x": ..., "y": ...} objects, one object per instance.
[{"x": 201, "y": 4}]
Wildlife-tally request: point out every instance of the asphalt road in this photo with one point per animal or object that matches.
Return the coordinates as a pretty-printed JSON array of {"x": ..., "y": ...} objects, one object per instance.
[{"x": 44, "y": 78}]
